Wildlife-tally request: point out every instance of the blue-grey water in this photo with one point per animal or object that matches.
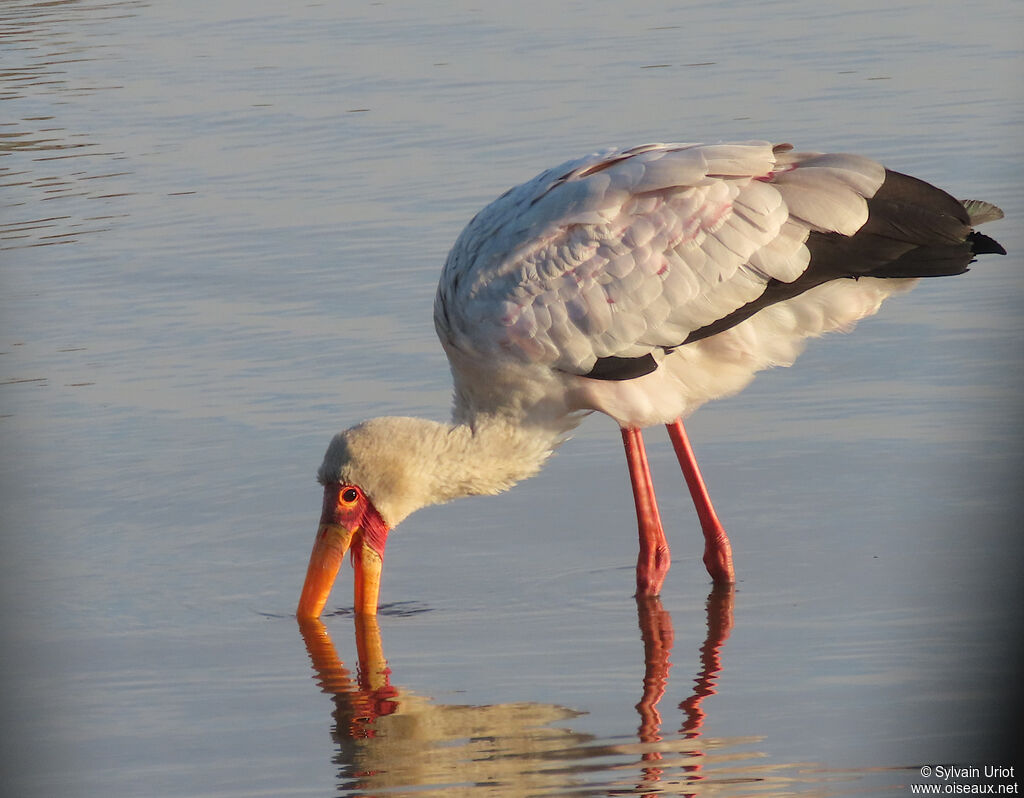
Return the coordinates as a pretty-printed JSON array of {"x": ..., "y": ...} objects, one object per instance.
[{"x": 221, "y": 225}]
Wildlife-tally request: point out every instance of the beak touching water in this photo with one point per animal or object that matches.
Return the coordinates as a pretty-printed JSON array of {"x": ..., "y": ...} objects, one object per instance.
[{"x": 349, "y": 521}]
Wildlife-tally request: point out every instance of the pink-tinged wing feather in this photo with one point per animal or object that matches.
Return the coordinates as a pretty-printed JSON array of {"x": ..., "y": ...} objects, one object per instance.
[{"x": 625, "y": 253}]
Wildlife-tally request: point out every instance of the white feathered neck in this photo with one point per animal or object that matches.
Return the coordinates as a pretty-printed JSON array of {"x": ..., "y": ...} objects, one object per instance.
[{"x": 403, "y": 464}]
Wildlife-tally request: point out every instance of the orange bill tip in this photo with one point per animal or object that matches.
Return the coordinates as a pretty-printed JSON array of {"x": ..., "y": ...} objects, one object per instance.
[
  {"x": 368, "y": 564},
  {"x": 329, "y": 549}
]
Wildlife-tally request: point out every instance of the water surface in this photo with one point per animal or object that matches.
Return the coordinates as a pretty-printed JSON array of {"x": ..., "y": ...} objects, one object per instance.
[{"x": 220, "y": 230}]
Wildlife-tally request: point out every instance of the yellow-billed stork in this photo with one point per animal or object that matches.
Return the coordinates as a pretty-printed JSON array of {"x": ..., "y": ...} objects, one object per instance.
[{"x": 641, "y": 283}]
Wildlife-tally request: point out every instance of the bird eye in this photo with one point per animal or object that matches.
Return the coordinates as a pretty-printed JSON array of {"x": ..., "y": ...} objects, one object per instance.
[{"x": 349, "y": 495}]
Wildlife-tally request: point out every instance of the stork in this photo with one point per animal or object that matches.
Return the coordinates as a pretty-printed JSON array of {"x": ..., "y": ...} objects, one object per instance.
[{"x": 640, "y": 283}]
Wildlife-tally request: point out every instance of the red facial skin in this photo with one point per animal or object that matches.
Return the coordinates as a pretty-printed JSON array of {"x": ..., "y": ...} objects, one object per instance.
[{"x": 348, "y": 520}]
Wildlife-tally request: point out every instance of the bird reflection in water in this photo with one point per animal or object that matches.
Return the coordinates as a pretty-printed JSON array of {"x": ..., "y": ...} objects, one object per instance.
[{"x": 389, "y": 738}]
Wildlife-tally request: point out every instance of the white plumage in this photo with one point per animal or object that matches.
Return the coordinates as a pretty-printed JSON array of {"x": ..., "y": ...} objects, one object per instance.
[
  {"x": 641, "y": 283},
  {"x": 625, "y": 253}
]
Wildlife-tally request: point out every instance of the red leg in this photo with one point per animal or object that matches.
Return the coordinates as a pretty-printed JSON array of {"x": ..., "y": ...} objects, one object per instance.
[
  {"x": 654, "y": 559},
  {"x": 717, "y": 551}
]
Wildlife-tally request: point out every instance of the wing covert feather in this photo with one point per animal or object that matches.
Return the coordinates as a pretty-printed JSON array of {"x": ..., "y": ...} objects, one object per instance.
[{"x": 626, "y": 252}]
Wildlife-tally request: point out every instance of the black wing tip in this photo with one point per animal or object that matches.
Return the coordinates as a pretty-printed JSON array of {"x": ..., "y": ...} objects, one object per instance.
[{"x": 982, "y": 244}]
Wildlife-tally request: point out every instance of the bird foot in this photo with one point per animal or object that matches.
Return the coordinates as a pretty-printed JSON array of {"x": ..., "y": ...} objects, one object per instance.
[
  {"x": 651, "y": 569},
  {"x": 718, "y": 559}
]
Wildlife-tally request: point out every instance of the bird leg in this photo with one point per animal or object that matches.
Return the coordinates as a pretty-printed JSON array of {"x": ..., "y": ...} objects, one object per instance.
[
  {"x": 654, "y": 559},
  {"x": 717, "y": 550}
]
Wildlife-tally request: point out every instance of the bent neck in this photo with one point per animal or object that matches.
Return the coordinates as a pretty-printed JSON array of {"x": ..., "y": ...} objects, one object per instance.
[
  {"x": 489, "y": 455},
  {"x": 404, "y": 464}
]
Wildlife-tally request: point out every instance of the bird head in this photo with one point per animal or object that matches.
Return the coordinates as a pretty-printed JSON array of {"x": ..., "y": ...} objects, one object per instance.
[
  {"x": 376, "y": 473},
  {"x": 349, "y": 521},
  {"x": 373, "y": 475}
]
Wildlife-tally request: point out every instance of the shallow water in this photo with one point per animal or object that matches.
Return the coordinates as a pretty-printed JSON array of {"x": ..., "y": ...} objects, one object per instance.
[{"x": 221, "y": 230}]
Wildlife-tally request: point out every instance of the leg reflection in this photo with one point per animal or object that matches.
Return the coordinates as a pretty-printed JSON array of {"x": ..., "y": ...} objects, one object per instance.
[
  {"x": 719, "y": 615},
  {"x": 656, "y": 630}
]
